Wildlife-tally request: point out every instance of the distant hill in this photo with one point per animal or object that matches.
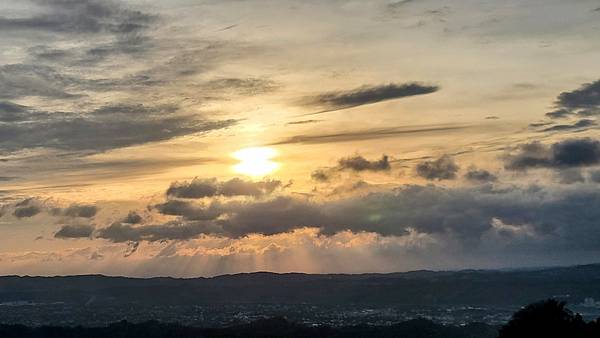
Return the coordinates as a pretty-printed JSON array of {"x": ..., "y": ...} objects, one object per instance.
[{"x": 411, "y": 289}]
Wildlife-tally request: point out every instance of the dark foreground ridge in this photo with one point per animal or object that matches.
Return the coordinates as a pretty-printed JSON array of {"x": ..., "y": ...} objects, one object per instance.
[{"x": 548, "y": 318}]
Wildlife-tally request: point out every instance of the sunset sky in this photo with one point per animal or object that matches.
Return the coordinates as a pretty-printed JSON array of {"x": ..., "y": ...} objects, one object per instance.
[{"x": 195, "y": 138}]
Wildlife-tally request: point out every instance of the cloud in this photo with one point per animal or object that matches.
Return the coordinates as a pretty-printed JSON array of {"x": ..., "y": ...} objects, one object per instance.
[
  {"x": 444, "y": 168},
  {"x": 395, "y": 5},
  {"x": 595, "y": 176},
  {"x": 131, "y": 248},
  {"x": 80, "y": 210},
  {"x": 26, "y": 211},
  {"x": 355, "y": 163},
  {"x": 190, "y": 210},
  {"x": 584, "y": 101},
  {"x": 132, "y": 218},
  {"x": 480, "y": 175},
  {"x": 337, "y": 100},
  {"x": 242, "y": 86},
  {"x": 303, "y": 122},
  {"x": 366, "y": 134},
  {"x": 199, "y": 188},
  {"x": 120, "y": 233},
  {"x": 21, "y": 80},
  {"x": 11, "y": 112},
  {"x": 570, "y": 176},
  {"x": 28, "y": 207},
  {"x": 562, "y": 154},
  {"x": 320, "y": 175},
  {"x": 105, "y": 128},
  {"x": 586, "y": 96},
  {"x": 359, "y": 163},
  {"x": 559, "y": 113},
  {"x": 75, "y": 231},
  {"x": 80, "y": 17},
  {"x": 579, "y": 125},
  {"x": 563, "y": 218}
]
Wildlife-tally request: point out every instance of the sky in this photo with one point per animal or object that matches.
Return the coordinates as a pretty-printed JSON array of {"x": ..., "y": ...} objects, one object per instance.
[{"x": 195, "y": 138}]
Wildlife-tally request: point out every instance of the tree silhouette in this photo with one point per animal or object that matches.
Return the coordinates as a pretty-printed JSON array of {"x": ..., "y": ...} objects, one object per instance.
[{"x": 549, "y": 318}]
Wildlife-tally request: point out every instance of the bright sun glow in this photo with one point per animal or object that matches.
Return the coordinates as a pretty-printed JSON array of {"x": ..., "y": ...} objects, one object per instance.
[{"x": 255, "y": 161}]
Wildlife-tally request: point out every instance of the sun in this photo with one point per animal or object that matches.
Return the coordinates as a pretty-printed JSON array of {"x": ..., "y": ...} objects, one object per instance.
[{"x": 255, "y": 161}]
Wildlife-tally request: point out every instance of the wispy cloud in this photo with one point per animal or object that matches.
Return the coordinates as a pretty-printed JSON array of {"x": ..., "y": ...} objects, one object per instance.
[
  {"x": 367, "y": 134},
  {"x": 336, "y": 100}
]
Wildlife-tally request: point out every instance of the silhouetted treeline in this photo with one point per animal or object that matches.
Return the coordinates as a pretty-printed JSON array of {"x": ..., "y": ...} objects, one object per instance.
[{"x": 549, "y": 318}]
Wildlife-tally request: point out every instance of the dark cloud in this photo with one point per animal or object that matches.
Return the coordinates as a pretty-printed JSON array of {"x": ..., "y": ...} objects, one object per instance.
[
  {"x": 120, "y": 233},
  {"x": 595, "y": 176},
  {"x": 563, "y": 219},
  {"x": 584, "y": 101},
  {"x": 480, "y": 175},
  {"x": 75, "y": 231},
  {"x": 28, "y": 207},
  {"x": 80, "y": 210},
  {"x": 131, "y": 248},
  {"x": 199, "y": 188},
  {"x": 189, "y": 210},
  {"x": 355, "y": 163},
  {"x": 304, "y": 122},
  {"x": 570, "y": 176},
  {"x": 26, "y": 211},
  {"x": 359, "y": 163},
  {"x": 563, "y": 154},
  {"x": 337, "y": 100},
  {"x": 320, "y": 175},
  {"x": 105, "y": 128},
  {"x": 132, "y": 218},
  {"x": 579, "y": 125},
  {"x": 444, "y": 168},
  {"x": 367, "y": 134},
  {"x": 536, "y": 125},
  {"x": 20, "y": 80},
  {"x": 589, "y": 112},
  {"x": 10, "y": 112},
  {"x": 80, "y": 17},
  {"x": 587, "y": 96},
  {"x": 99, "y": 28},
  {"x": 559, "y": 113}
]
